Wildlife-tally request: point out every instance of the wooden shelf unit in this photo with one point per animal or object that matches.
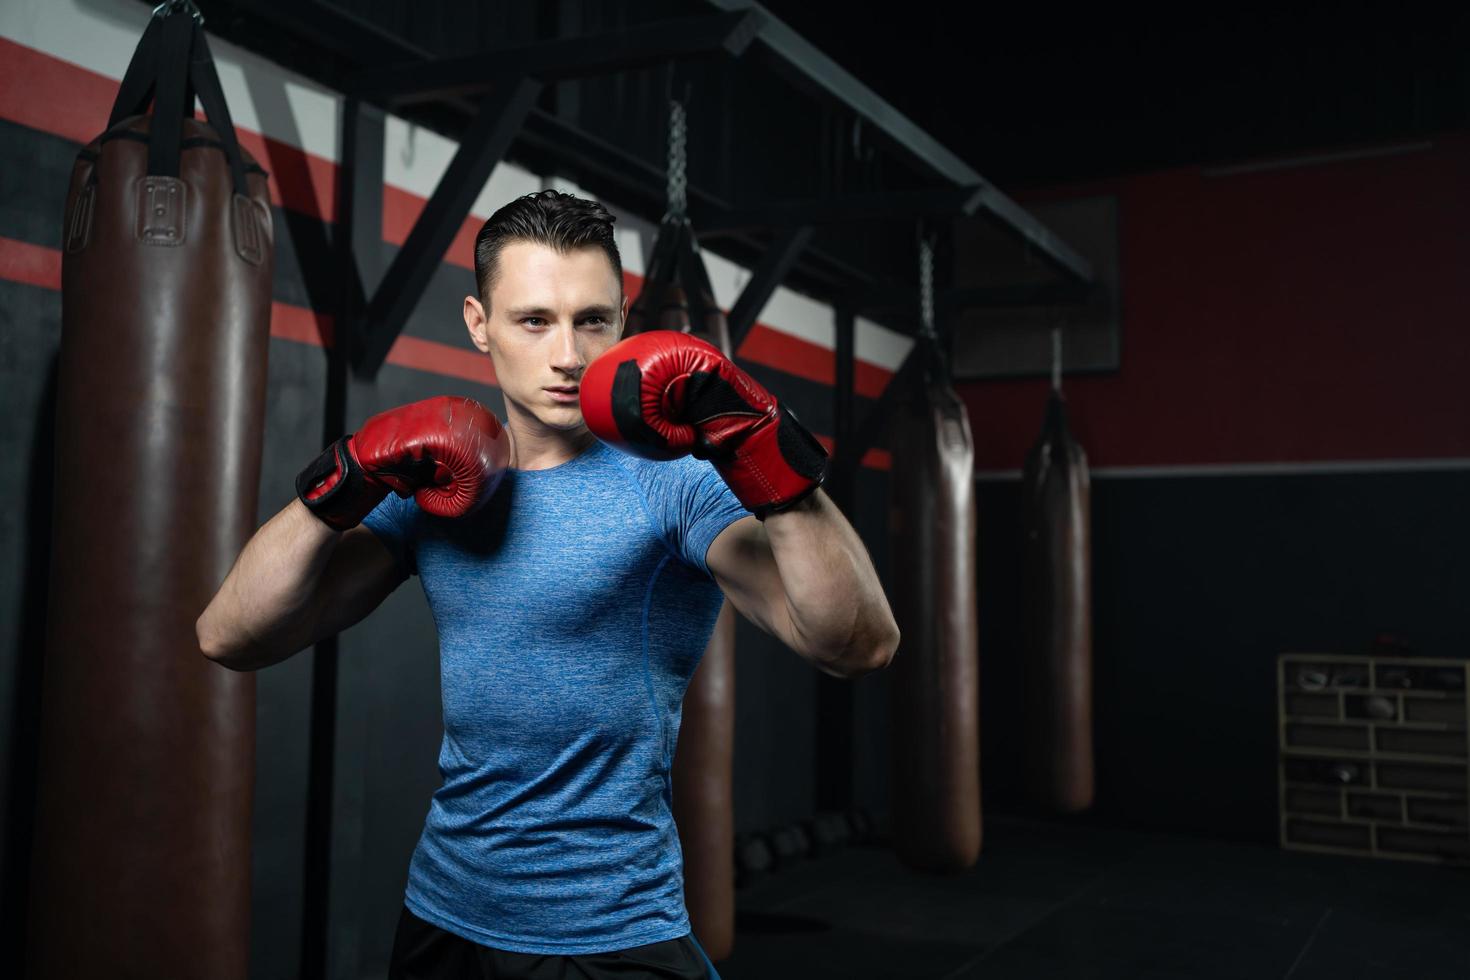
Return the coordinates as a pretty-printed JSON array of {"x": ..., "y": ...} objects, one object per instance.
[{"x": 1374, "y": 756}]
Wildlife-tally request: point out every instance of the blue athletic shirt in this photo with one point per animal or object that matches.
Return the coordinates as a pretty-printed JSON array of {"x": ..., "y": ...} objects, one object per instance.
[{"x": 572, "y": 610}]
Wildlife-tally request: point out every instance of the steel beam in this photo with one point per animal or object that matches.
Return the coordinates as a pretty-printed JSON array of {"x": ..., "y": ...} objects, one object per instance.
[
  {"x": 820, "y": 72},
  {"x": 842, "y": 483},
  {"x": 482, "y": 146},
  {"x": 834, "y": 697},
  {"x": 907, "y": 205},
  {"x": 332, "y": 29},
  {"x": 725, "y": 34},
  {"x": 764, "y": 279},
  {"x": 1024, "y": 295}
]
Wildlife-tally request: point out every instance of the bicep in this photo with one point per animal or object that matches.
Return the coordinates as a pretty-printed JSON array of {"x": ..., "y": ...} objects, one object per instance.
[
  {"x": 743, "y": 566},
  {"x": 359, "y": 576}
]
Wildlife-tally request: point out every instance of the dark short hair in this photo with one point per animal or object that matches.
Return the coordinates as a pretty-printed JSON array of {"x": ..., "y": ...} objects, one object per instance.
[{"x": 561, "y": 221}]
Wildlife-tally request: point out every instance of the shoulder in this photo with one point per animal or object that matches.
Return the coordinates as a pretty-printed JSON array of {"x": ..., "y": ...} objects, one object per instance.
[{"x": 658, "y": 477}]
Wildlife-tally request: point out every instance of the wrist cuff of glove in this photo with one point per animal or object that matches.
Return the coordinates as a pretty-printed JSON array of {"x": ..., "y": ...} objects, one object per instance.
[
  {"x": 336, "y": 489},
  {"x": 776, "y": 467}
]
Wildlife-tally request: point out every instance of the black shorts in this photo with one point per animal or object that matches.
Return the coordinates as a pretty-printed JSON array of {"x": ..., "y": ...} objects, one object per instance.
[{"x": 422, "y": 951}]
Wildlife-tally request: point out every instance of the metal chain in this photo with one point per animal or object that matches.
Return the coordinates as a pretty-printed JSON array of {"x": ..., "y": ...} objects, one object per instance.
[
  {"x": 1056, "y": 358},
  {"x": 926, "y": 284},
  {"x": 678, "y": 190}
]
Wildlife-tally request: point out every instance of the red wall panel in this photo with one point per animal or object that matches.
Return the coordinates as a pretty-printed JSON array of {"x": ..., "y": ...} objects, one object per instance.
[{"x": 1309, "y": 313}]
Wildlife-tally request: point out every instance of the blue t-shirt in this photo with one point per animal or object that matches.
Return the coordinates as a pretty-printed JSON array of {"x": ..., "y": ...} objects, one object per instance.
[{"x": 572, "y": 610}]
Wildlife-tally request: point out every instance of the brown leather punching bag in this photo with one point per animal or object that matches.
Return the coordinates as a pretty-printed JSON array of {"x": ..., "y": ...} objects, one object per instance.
[
  {"x": 1057, "y": 599},
  {"x": 935, "y": 675},
  {"x": 141, "y": 862},
  {"x": 704, "y": 808}
]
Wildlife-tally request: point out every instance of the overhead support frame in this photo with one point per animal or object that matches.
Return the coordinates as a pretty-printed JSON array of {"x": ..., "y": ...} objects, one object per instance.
[
  {"x": 773, "y": 267},
  {"x": 483, "y": 146},
  {"x": 809, "y": 65},
  {"x": 939, "y": 202},
  {"x": 725, "y": 34}
]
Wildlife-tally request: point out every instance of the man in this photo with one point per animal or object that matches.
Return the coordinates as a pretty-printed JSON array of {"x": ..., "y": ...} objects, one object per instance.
[{"x": 574, "y": 584}]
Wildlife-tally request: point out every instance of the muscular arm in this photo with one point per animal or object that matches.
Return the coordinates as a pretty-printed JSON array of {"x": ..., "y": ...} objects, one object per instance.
[
  {"x": 295, "y": 582},
  {"x": 804, "y": 577}
]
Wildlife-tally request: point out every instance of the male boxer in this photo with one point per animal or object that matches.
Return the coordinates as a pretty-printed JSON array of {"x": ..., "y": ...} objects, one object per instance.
[{"x": 574, "y": 583}]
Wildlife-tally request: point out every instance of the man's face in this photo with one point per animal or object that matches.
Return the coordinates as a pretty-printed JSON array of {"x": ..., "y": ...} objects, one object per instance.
[{"x": 550, "y": 315}]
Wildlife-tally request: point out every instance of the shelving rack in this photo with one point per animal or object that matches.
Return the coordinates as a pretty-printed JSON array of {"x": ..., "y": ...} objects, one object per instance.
[{"x": 1374, "y": 756}]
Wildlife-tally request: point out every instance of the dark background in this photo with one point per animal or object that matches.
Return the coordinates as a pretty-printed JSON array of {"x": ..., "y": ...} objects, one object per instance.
[
  {"x": 1034, "y": 94},
  {"x": 1280, "y": 458}
]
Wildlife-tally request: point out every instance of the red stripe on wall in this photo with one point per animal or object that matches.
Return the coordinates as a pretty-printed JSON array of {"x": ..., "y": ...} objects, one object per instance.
[
  {"x": 877, "y": 459},
  {"x": 76, "y": 101},
  {"x": 794, "y": 355},
  {"x": 301, "y": 325},
  {"x": 437, "y": 358},
  {"x": 1312, "y": 313},
  {"x": 401, "y": 209},
  {"x": 33, "y": 265},
  {"x": 299, "y": 181}
]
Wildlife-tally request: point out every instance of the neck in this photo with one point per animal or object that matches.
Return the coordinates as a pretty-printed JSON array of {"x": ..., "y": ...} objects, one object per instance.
[{"x": 534, "y": 446}]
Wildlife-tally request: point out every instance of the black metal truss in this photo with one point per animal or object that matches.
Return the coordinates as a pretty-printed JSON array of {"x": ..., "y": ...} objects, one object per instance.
[
  {"x": 764, "y": 278},
  {"x": 441, "y": 91},
  {"x": 726, "y": 34},
  {"x": 481, "y": 148}
]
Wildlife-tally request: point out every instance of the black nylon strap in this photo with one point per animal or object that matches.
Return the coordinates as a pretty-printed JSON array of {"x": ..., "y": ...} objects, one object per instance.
[
  {"x": 166, "y": 128},
  {"x": 662, "y": 270},
  {"x": 171, "y": 65},
  {"x": 205, "y": 80},
  {"x": 695, "y": 278},
  {"x": 136, "y": 89}
]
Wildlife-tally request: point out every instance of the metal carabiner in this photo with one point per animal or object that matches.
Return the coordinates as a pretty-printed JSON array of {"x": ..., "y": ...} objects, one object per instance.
[{"x": 174, "y": 6}]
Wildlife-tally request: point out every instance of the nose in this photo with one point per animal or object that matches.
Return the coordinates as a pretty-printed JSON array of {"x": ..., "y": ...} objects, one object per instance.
[{"x": 566, "y": 353}]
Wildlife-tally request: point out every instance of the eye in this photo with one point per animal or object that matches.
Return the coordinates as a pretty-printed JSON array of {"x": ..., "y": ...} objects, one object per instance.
[
  {"x": 596, "y": 321},
  {"x": 533, "y": 321}
]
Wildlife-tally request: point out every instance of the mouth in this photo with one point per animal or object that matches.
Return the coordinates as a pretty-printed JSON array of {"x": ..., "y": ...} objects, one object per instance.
[{"x": 563, "y": 394}]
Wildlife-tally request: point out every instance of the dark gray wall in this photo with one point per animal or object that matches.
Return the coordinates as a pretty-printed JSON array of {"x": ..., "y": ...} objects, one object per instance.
[{"x": 1200, "y": 582}]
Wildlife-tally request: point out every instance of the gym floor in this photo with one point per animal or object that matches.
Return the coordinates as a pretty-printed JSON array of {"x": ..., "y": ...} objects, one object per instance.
[{"x": 1050, "y": 899}]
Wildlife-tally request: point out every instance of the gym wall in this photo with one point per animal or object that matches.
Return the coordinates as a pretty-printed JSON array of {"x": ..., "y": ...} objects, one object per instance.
[
  {"x": 1280, "y": 464},
  {"x": 59, "y": 65}
]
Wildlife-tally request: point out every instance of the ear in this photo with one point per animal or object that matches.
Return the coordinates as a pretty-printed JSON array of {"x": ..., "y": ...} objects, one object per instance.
[
  {"x": 623, "y": 316},
  {"x": 477, "y": 323}
]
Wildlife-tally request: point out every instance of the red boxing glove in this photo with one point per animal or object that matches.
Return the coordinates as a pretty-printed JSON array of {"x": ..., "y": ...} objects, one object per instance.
[
  {"x": 665, "y": 394},
  {"x": 448, "y": 452}
]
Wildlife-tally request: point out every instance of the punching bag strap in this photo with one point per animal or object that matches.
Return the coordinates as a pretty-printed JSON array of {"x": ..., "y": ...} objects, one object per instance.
[
  {"x": 136, "y": 89},
  {"x": 695, "y": 279},
  {"x": 172, "y": 64},
  {"x": 205, "y": 81},
  {"x": 662, "y": 263},
  {"x": 166, "y": 130}
]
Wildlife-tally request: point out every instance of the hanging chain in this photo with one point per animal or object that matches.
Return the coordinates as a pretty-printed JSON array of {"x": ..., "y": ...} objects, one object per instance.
[
  {"x": 678, "y": 190},
  {"x": 1056, "y": 358},
  {"x": 926, "y": 284}
]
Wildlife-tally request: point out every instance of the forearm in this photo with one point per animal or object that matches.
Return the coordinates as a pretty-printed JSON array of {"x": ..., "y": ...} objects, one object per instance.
[
  {"x": 835, "y": 604},
  {"x": 263, "y": 612}
]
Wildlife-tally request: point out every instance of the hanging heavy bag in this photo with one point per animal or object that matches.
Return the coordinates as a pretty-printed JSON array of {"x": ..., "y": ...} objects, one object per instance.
[
  {"x": 141, "y": 861},
  {"x": 1057, "y": 599},
  {"x": 661, "y": 303},
  {"x": 703, "y": 768},
  {"x": 935, "y": 676}
]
